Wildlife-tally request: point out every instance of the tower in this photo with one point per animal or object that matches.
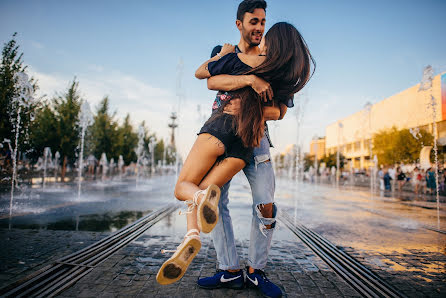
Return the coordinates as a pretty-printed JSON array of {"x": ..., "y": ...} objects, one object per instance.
[{"x": 172, "y": 125}]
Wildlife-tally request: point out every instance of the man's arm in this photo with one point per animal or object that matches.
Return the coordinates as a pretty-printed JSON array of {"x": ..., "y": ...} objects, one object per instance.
[
  {"x": 226, "y": 82},
  {"x": 269, "y": 112}
]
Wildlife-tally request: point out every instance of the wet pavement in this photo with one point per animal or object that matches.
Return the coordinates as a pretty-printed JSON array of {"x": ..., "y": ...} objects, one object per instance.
[{"x": 389, "y": 237}]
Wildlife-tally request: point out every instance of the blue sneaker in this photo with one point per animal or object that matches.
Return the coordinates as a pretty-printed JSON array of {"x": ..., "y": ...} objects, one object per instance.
[
  {"x": 259, "y": 280},
  {"x": 223, "y": 279}
]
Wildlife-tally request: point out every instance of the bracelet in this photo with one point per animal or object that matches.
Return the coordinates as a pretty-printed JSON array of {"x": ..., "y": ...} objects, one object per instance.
[{"x": 219, "y": 55}]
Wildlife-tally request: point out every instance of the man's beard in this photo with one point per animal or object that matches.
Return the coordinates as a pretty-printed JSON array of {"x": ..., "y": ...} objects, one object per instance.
[{"x": 248, "y": 38}]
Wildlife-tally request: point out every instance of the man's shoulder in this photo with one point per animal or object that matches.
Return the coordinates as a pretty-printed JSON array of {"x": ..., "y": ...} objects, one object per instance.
[{"x": 216, "y": 50}]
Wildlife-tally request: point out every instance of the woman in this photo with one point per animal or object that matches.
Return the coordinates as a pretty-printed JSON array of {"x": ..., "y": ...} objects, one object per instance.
[{"x": 225, "y": 142}]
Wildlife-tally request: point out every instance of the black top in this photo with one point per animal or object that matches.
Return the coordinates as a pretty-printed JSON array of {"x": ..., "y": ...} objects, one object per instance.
[
  {"x": 229, "y": 64},
  {"x": 232, "y": 65}
]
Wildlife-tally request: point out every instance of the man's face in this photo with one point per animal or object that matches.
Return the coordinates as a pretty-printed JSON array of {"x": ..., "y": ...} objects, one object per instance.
[{"x": 252, "y": 27}]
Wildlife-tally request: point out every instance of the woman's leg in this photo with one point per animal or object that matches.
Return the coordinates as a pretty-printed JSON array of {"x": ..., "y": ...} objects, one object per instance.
[
  {"x": 199, "y": 161},
  {"x": 222, "y": 172}
]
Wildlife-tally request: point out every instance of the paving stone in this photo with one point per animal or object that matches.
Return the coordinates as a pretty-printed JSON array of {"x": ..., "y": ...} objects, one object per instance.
[{"x": 131, "y": 271}]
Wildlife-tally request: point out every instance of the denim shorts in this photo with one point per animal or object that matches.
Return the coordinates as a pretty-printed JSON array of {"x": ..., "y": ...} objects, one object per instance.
[{"x": 223, "y": 127}]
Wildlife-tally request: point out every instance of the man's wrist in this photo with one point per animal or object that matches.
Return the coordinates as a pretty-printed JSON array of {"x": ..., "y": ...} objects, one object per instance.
[{"x": 249, "y": 79}]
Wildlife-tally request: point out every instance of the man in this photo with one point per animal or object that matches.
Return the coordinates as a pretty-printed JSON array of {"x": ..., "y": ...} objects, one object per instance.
[{"x": 251, "y": 24}]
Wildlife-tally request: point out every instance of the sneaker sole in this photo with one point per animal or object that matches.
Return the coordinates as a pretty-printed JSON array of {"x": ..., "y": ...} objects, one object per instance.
[
  {"x": 174, "y": 268},
  {"x": 208, "y": 209},
  {"x": 222, "y": 286}
]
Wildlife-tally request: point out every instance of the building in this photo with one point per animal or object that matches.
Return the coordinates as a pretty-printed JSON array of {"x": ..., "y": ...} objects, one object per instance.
[
  {"x": 317, "y": 147},
  {"x": 410, "y": 108}
]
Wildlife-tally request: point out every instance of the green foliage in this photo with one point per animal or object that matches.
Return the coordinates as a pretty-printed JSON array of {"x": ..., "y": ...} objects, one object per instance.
[
  {"x": 43, "y": 132},
  {"x": 66, "y": 108},
  {"x": 395, "y": 146},
  {"x": 104, "y": 134},
  {"x": 331, "y": 160},
  {"x": 127, "y": 141},
  {"x": 11, "y": 64}
]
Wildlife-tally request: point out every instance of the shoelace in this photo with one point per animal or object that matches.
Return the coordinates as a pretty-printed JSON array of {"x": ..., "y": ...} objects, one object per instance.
[
  {"x": 186, "y": 237},
  {"x": 261, "y": 273},
  {"x": 191, "y": 204}
]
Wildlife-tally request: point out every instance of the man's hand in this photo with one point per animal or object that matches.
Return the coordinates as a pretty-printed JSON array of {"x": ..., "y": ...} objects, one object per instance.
[
  {"x": 232, "y": 107},
  {"x": 226, "y": 49},
  {"x": 261, "y": 87}
]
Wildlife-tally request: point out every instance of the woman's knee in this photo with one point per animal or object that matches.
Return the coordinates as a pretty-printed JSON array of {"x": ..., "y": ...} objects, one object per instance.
[{"x": 177, "y": 191}]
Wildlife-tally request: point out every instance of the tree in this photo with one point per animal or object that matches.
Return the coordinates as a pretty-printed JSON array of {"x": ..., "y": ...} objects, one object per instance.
[
  {"x": 12, "y": 64},
  {"x": 331, "y": 160},
  {"x": 43, "y": 132},
  {"x": 394, "y": 146},
  {"x": 67, "y": 109},
  {"x": 128, "y": 140},
  {"x": 104, "y": 134}
]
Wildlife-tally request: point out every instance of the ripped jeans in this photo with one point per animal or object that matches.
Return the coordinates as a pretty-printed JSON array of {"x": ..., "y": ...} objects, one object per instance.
[{"x": 260, "y": 175}]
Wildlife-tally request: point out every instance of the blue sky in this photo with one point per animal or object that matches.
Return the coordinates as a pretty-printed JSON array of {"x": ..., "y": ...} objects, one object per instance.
[{"x": 365, "y": 51}]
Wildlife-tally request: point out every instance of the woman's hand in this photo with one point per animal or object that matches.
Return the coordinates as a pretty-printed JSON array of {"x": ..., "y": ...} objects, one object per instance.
[
  {"x": 226, "y": 49},
  {"x": 261, "y": 87},
  {"x": 232, "y": 107}
]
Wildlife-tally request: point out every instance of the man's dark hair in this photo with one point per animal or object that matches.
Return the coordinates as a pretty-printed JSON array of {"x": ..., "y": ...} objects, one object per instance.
[{"x": 249, "y": 6}]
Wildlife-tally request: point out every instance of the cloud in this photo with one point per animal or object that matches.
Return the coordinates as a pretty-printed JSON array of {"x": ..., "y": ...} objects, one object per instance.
[
  {"x": 37, "y": 45},
  {"x": 127, "y": 95}
]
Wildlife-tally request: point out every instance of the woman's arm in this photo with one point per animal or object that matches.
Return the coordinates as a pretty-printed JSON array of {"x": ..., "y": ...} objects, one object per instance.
[
  {"x": 203, "y": 72},
  {"x": 283, "y": 110},
  {"x": 271, "y": 113}
]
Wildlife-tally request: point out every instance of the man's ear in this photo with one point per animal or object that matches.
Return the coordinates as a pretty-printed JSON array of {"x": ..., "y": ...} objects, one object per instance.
[{"x": 238, "y": 23}]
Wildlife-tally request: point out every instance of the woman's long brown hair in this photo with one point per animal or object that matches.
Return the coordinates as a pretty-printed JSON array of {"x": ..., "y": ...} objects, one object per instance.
[{"x": 287, "y": 68}]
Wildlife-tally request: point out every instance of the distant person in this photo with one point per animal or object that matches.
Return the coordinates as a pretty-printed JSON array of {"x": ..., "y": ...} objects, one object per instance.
[
  {"x": 392, "y": 174},
  {"x": 416, "y": 180},
  {"x": 430, "y": 181},
  {"x": 381, "y": 178},
  {"x": 401, "y": 177},
  {"x": 387, "y": 180}
]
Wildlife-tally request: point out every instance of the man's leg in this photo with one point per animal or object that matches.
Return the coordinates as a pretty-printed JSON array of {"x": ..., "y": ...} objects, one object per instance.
[
  {"x": 261, "y": 179},
  {"x": 223, "y": 235},
  {"x": 260, "y": 175},
  {"x": 230, "y": 276}
]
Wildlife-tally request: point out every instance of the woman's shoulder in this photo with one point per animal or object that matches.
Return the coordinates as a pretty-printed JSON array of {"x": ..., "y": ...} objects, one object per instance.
[{"x": 251, "y": 60}]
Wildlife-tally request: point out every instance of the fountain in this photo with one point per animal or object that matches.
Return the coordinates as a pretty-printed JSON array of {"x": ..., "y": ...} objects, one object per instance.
[
  {"x": 426, "y": 86},
  {"x": 46, "y": 154},
  {"x": 112, "y": 167},
  {"x": 23, "y": 99},
  {"x": 120, "y": 166},
  {"x": 152, "y": 154},
  {"x": 164, "y": 157},
  {"x": 56, "y": 165},
  {"x": 338, "y": 162},
  {"x": 299, "y": 109},
  {"x": 139, "y": 151},
  {"x": 104, "y": 164},
  {"x": 85, "y": 120}
]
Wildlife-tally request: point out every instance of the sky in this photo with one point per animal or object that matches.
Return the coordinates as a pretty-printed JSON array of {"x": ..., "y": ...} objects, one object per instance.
[{"x": 131, "y": 51}]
